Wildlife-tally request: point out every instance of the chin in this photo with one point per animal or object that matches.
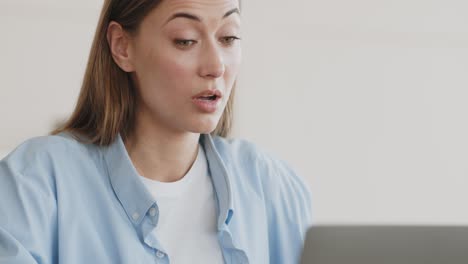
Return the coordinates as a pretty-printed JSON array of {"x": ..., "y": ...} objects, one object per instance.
[
  {"x": 205, "y": 126},
  {"x": 204, "y": 130}
]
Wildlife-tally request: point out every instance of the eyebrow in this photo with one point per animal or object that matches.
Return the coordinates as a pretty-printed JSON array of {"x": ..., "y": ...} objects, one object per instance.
[{"x": 195, "y": 18}]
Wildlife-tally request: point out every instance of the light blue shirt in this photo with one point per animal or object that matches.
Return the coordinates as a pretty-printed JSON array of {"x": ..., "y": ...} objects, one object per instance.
[{"x": 62, "y": 201}]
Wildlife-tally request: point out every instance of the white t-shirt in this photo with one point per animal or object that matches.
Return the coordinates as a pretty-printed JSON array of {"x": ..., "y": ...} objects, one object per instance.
[{"x": 187, "y": 215}]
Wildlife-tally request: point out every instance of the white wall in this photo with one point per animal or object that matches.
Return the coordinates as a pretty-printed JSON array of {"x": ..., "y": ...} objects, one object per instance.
[
  {"x": 44, "y": 47},
  {"x": 366, "y": 99}
]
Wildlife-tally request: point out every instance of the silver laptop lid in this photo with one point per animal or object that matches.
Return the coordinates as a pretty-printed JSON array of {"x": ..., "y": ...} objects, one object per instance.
[{"x": 386, "y": 245}]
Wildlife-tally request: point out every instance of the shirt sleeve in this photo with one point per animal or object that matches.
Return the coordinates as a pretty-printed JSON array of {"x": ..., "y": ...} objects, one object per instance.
[
  {"x": 289, "y": 209},
  {"x": 27, "y": 214}
]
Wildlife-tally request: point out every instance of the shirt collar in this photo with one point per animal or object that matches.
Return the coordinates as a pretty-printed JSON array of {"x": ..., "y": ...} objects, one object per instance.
[
  {"x": 135, "y": 198},
  {"x": 220, "y": 178},
  {"x": 130, "y": 191}
]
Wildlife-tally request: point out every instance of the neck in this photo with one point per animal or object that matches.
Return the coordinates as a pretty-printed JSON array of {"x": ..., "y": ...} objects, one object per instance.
[{"x": 160, "y": 154}]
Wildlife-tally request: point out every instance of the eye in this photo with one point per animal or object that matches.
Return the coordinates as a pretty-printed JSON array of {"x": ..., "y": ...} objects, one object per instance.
[
  {"x": 184, "y": 43},
  {"x": 229, "y": 40}
]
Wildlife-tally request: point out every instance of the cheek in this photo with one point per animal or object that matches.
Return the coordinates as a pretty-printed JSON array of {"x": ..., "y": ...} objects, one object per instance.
[
  {"x": 231, "y": 73},
  {"x": 233, "y": 62},
  {"x": 165, "y": 80},
  {"x": 178, "y": 74}
]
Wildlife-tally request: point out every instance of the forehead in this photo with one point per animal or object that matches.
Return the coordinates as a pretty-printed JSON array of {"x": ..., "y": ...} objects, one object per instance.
[
  {"x": 205, "y": 9},
  {"x": 201, "y": 5}
]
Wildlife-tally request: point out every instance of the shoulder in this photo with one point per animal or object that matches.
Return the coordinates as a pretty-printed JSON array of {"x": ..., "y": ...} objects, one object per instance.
[
  {"x": 236, "y": 149},
  {"x": 242, "y": 156},
  {"x": 279, "y": 181},
  {"x": 249, "y": 155},
  {"x": 40, "y": 151}
]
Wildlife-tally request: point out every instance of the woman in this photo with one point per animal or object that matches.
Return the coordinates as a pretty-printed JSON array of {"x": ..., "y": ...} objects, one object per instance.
[{"x": 141, "y": 172}]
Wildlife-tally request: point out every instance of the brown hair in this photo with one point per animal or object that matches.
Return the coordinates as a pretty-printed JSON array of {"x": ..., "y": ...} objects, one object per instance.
[{"x": 107, "y": 100}]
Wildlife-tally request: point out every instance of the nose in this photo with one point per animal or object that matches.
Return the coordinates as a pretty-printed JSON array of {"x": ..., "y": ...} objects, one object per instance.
[{"x": 212, "y": 62}]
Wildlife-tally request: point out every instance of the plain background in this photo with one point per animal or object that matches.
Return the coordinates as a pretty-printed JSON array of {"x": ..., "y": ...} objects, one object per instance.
[{"x": 366, "y": 99}]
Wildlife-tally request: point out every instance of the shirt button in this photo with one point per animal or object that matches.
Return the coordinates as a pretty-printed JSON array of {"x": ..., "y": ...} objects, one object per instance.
[
  {"x": 152, "y": 211},
  {"x": 135, "y": 216},
  {"x": 159, "y": 254}
]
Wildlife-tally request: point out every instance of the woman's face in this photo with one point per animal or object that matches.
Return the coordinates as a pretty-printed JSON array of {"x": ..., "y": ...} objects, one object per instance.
[{"x": 186, "y": 51}]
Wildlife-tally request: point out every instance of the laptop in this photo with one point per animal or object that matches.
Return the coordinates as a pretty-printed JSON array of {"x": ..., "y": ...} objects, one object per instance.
[{"x": 386, "y": 245}]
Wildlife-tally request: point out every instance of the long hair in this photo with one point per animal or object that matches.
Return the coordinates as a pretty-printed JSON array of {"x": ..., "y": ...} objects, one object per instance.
[{"x": 107, "y": 101}]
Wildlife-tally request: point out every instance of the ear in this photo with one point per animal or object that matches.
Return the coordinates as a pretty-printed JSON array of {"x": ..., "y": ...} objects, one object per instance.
[{"x": 119, "y": 44}]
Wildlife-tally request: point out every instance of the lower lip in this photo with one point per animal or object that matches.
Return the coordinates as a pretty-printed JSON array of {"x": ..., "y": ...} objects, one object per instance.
[{"x": 207, "y": 106}]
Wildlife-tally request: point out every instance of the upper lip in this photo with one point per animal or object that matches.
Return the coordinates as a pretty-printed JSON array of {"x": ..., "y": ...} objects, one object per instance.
[{"x": 209, "y": 92}]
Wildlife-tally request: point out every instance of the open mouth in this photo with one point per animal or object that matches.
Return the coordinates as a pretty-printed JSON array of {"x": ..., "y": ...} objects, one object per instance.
[
  {"x": 208, "y": 98},
  {"x": 208, "y": 101}
]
